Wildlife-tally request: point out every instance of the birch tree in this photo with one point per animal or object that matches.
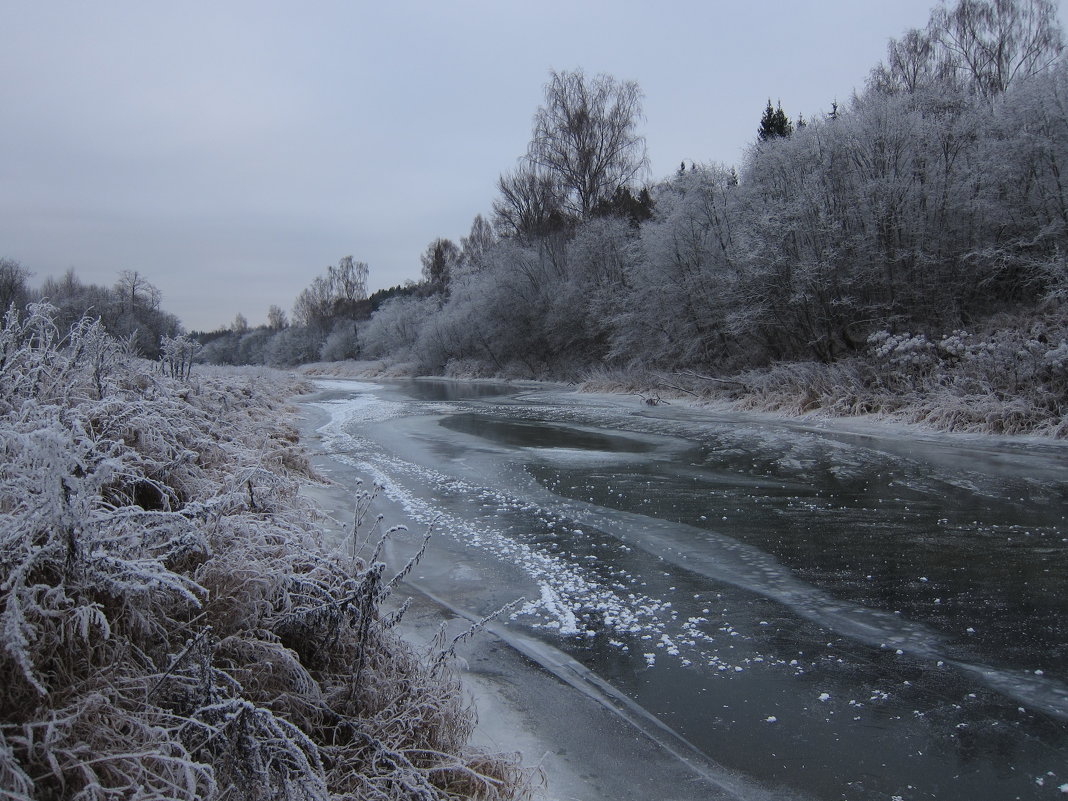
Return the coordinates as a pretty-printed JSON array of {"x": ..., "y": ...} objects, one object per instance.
[{"x": 585, "y": 135}]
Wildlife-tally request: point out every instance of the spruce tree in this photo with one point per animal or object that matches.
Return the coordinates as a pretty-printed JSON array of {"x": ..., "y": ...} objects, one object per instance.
[
  {"x": 774, "y": 124},
  {"x": 766, "y": 130}
]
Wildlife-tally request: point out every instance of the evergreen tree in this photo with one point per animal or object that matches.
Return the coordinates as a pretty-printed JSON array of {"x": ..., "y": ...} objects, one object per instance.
[
  {"x": 783, "y": 126},
  {"x": 636, "y": 209},
  {"x": 774, "y": 124}
]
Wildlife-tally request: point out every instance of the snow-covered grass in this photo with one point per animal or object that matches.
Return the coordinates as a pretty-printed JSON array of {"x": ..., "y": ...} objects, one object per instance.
[
  {"x": 378, "y": 368},
  {"x": 171, "y": 626},
  {"x": 1010, "y": 377}
]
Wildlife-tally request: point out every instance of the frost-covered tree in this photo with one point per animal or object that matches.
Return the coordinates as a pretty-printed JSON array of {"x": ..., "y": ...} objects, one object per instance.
[
  {"x": 681, "y": 285},
  {"x": 341, "y": 343},
  {"x": 297, "y": 344},
  {"x": 135, "y": 292},
  {"x": 475, "y": 247},
  {"x": 394, "y": 329},
  {"x": 276, "y": 318},
  {"x": 983, "y": 45}
]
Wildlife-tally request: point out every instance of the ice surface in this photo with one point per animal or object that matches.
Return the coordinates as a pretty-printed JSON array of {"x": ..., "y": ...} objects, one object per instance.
[{"x": 830, "y": 575}]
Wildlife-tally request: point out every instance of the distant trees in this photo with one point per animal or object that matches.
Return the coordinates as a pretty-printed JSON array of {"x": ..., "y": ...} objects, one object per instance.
[
  {"x": 128, "y": 310},
  {"x": 931, "y": 202},
  {"x": 276, "y": 318},
  {"x": 325, "y": 324},
  {"x": 336, "y": 294},
  {"x": 14, "y": 287}
]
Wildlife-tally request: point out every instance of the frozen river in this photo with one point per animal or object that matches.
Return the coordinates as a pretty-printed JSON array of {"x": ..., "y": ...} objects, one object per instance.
[{"x": 793, "y": 610}]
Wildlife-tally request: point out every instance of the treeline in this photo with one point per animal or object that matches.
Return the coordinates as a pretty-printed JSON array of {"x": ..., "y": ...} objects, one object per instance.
[
  {"x": 328, "y": 317},
  {"x": 129, "y": 310},
  {"x": 932, "y": 202}
]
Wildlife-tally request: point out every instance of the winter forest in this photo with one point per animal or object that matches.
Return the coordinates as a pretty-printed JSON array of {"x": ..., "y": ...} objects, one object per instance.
[
  {"x": 910, "y": 244},
  {"x": 904, "y": 252}
]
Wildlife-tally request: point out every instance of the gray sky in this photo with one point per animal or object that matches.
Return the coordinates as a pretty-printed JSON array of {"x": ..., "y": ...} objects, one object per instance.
[{"x": 231, "y": 150}]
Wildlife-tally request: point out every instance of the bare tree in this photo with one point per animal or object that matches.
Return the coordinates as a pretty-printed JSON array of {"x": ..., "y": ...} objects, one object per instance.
[
  {"x": 439, "y": 261},
  {"x": 995, "y": 41},
  {"x": 313, "y": 305},
  {"x": 476, "y": 245},
  {"x": 911, "y": 62},
  {"x": 984, "y": 45},
  {"x": 585, "y": 136},
  {"x": 348, "y": 280},
  {"x": 135, "y": 292},
  {"x": 335, "y": 294},
  {"x": 13, "y": 287},
  {"x": 530, "y": 203},
  {"x": 276, "y": 318}
]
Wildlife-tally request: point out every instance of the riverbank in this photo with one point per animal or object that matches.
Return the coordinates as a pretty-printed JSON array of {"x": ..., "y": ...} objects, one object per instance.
[
  {"x": 172, "y": 624},
  {"x": 847, "y": 393}
]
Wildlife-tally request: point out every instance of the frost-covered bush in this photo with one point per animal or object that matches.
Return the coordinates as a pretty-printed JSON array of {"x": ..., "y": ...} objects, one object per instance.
[
  {"x": 800, "y": 387},
  {"x": 342, "y": 343},
  {"x": 176, "y": 355},
  {"x": 1011, "y": 377},
  {"x": 903, "y": 353},
  {"x": 394, "y": 329},
  {"x": 171, "y": 627}
]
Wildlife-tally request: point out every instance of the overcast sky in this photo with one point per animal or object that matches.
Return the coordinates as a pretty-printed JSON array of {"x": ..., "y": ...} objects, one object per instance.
[{"x": 230, "y": 151}]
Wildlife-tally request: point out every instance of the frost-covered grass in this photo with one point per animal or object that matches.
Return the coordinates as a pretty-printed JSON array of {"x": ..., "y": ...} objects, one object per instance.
[
  {"x": 1010, "y": 377},
  {"x": 379, "y": 368},
  {"x": 171, "y": 626}
]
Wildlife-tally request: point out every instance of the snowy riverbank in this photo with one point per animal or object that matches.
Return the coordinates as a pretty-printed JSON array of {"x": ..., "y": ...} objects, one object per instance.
[
  {"x": 172, "y": 625},
  {"x": 820, "y": 395}
]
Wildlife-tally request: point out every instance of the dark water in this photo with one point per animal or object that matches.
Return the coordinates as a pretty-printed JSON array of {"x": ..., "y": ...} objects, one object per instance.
[{"x": 834, "y": 615}]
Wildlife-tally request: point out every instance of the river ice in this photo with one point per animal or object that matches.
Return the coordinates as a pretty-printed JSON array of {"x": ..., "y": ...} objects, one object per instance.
[{"x": 891, "y": 601}]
